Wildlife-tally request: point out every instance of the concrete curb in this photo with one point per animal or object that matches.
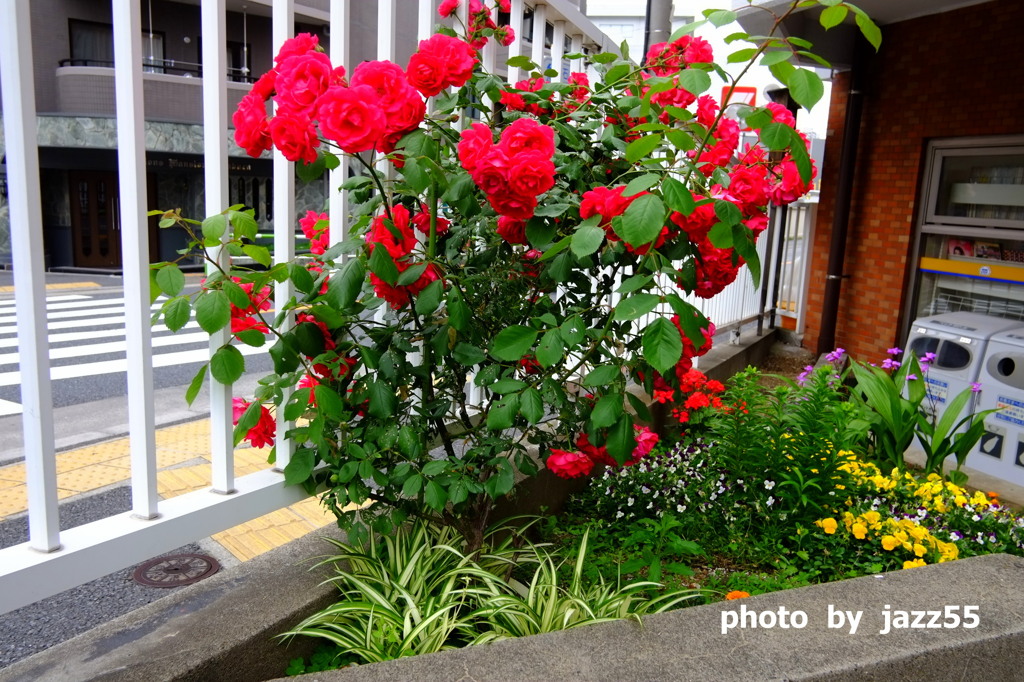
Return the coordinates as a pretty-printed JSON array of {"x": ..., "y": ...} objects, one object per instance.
[{"x": 689, "y": 645}]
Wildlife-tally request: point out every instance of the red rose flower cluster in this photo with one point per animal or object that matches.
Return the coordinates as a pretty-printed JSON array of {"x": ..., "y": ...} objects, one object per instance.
[
  {"x": 244, "y": 319},
  {"x": 261, "y": 435},
  {"x": 315, "y": 228},
  {"x": 442, "y": 61},
  {"x": 573, "y": 464},
  {"x": 690, "y": 351},
  {"x": 396, "y": 236},
  {"x": 514, "y": 172}
]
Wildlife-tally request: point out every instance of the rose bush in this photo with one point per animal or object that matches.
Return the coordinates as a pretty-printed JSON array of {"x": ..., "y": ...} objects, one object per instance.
[{"x": 418, "y": 368}]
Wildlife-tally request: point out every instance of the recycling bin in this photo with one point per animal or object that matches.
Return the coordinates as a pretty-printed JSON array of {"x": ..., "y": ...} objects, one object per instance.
[
  {"x": 1000, "y": 452},
  {"x": 958, "y": 341}
]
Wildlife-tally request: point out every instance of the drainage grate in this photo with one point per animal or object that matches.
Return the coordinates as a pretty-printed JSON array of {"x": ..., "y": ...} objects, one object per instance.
[{"x": 175, "y": 570}]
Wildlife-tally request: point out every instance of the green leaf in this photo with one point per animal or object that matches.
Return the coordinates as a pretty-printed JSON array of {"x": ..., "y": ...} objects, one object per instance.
[
  {"x": 429, "y": 298},
  {"x": 301, "y": 278},
  {"x": 833, "y": 16},
  {"x": 227, "y": 364},
  {"x": 258, "y": 253},
  {"x": 284, "y": 355},
  {"x": 551, "y": 210},
  {"x": 435, "y": 467},
  {"x": 237, "y": 295},
  {"x": 251, "y": 337},
  {"x": 798, "y": 150},
  {"x": 531, "y": 406},
  {"x": 728, "y": 212},
  {"x": 512, "y": 343},
  {"x": 806, "y": 88},
  {"x": 621, "y": 439},
  {"x": 177, "y": 312},
  {"x": 458, "y": 312},
  {"x": 677, "y": 196},
  {"x": 720, "y": 235},
  {"x": 741, "y": 56},
  {"x": 681, "y": 140},
  {"x": 695, "y": 81},
  {"x": 300, "y": 466},
  {"x": 343, "y": 286},
  {"x": 633, "y": 283},
  {"x": 642, "y": 147},
  {"x": 213, "y": 311},
  {"x": 308, "y": 172},
  {"x": 412, "y": 486},
  {"x": 525, "y": 63},
  {"x": 607, "y": 410},
  {"x": 782, "y": 71},
  {"x": 468, "y": 355},
  {"x": 310, "y": 339},
  {"x": 774, "y": 57},
  {"x": 602, "y": 376},
  {"x": 642, "y": 221},
  {"x": 502, "y": 414},
  {"x": 414, "y": 175},
  {"x": 640, "y": 183},
  {"x": 215, "y": 226},
  {"x": 744, "y": 246},
  {"x": 636, "y": 306},
  {"x": 555, "y": 249},
  {"x": 196, "y": 384},
  {"x": 586, "y": 240},
  {"x": 869, "y": 30},
  {"x": 170, "y": 279},
  {"x": 297, "y": 404},
  {"x": 721, "y": 17},
  {"x": 662, "y": 346},
  {"x": 382, "y": 265},
  {"x": 572, "y": 331},
  {"x": 383, "y": 401},
  {"x": 503, "y": 386},
  {"x": 328, "y": 402},
  {"x": 245, "y": 225},
  {"x": 549, "y": 350},
  {"x": 776, "y": 136}
]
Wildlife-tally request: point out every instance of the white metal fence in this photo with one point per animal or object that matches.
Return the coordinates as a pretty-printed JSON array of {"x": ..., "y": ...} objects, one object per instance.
[{"x": 53, "y": 560}]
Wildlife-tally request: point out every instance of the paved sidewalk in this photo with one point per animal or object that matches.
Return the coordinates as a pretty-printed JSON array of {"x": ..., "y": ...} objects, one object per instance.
[{"x": 182, "y": 453}]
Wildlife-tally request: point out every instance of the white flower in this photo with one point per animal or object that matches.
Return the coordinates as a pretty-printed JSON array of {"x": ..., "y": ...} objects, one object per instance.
[
  {"x": 680, "y": 508},
  {"x": 619, "y": 514},
  {"x": 976, "y": 517},
  {"x": 768, "y": 485},
  {"x": 629, "y": 502},
  {"x": 771, "y": 500},
  {"x": 644, "y": 489}
]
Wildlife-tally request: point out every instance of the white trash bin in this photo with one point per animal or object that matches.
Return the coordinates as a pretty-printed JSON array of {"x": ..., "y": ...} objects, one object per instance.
[{"x": 1000, "y": 452}]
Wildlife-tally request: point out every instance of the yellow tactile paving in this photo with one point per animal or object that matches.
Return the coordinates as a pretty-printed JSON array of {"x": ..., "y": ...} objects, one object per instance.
[
  {"x": 183, "y": 466},
  {"x": 56, "y": 285}
]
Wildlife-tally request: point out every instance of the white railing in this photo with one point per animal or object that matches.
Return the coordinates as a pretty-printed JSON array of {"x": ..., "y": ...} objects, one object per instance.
[{"x": 53, "y": 560}]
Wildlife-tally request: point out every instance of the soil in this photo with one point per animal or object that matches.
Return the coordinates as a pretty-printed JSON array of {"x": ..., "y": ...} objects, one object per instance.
[{"x": 785, "y": 361}]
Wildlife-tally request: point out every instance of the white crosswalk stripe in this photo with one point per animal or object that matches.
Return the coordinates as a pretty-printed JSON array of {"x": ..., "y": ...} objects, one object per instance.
[{"x": 88, "y": 330}]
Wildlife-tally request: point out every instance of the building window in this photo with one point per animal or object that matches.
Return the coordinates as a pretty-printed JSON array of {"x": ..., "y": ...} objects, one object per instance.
[{"x": 92, "y": 43}]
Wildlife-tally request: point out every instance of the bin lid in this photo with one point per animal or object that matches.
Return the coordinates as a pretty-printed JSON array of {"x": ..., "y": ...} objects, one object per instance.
[
  {"x": 973, "y": 325},
  {"x": 1010, "y": 337}
]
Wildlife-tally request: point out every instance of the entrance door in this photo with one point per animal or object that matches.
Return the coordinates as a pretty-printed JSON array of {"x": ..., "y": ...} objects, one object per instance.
[{"x": 95, "y": 219}]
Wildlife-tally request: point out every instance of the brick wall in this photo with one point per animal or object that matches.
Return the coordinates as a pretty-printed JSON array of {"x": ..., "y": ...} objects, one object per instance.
[{"x": 948, "y": 75}]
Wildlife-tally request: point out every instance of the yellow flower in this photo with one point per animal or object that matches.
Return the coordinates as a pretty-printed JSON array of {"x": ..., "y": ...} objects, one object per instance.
[
  {"x": 920, "y": 550},
  {"x": 915, "y": 563},
  {"x": 872, "y": 518},
  {"x": 828, "y": 525},
  {"x": 860, "y": 531},
  {"x": 890, "y": 543}
]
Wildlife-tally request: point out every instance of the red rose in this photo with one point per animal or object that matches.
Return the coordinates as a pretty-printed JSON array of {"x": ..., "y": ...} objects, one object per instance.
[
  {"x": 426, "y": 72},
  {"x": 512, "y": 230},
  {"x": 476, "y": 141},
  {"x": 421, "y": 221},
  {"x": 351, "y": 117},
  {"x": 301, "y": 79},
  {"x": 252, "y": 132},
  {"x": 491, "y": 174},
  {"x": 440, "y": 62},
  {"x": 531, "y": 173},
  {"x": 525, "y": 134},
  {"x": 315, "y": 227},
  {"x": 264, "y": 87},
  {"x": 293, "y": 134},
  {"x": 388, "y": 81},
  {"x": 300, "y": 44},
  {"x": 567, "y": 464},
  {"x": 513, "y": 205},
  {"x": 448, "y": 7},
  {"x": 381, "y": 233}
]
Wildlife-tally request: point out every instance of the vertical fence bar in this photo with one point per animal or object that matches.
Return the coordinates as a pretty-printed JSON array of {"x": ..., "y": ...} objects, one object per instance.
[
  {"x": 134, "y": 226},
  {"x": 540, "y": 32},
  {"x": 425, "y": 19},
  {"x": 338, "y": 209},
  {"x": 215, "y": 159},
  {"x": 576, "y": 47},
  {"x": 386, "y": 16},
  {"x": 515, "y": 20},
  {"x": 284, "y": 227},
  {"x": 16, "y": 79},
  {"x": 557, "y": 50}
]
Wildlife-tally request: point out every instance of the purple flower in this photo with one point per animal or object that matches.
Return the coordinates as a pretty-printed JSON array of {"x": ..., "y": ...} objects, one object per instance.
[
  {"x": 802, "y": 377},
  {"x": 975, "y": 387},
  {"x": 836, "y": 355},
  {"x": 889, "y": 363},
  {"x": 911, "y": 377},
  {"x": 894, "y": 351},
  {"x": 927, "y": 359}
]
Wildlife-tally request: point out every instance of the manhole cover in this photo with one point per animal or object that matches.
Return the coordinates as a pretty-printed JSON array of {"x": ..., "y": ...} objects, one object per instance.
[{"x": 175, "y": 570}]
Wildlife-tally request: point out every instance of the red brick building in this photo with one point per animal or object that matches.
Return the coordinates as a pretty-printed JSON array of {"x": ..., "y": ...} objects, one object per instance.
[{"x": 948, "y": 76}]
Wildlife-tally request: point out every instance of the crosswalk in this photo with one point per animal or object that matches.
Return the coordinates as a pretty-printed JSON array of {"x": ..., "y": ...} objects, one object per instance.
[{"x": 86, "y": 333}]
